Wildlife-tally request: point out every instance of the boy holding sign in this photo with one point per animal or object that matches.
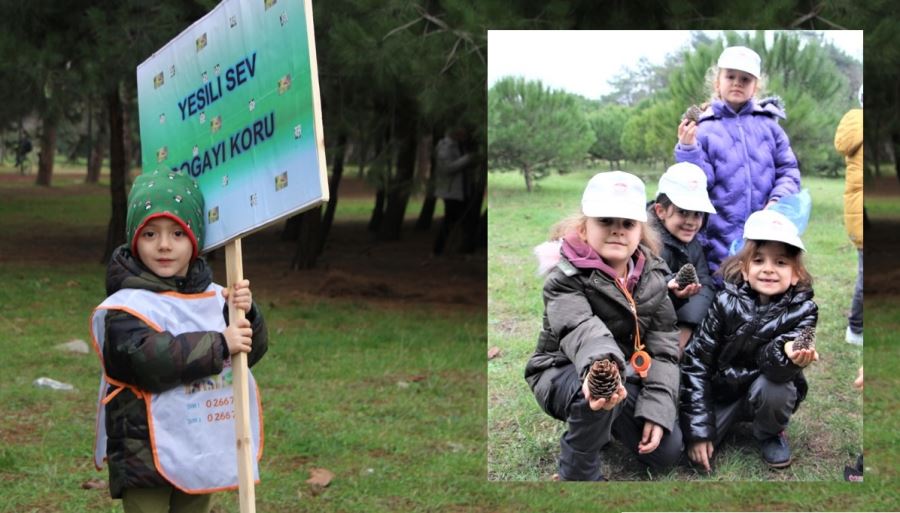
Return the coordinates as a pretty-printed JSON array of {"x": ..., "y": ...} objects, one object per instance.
[{"x": 165, "y": 412}]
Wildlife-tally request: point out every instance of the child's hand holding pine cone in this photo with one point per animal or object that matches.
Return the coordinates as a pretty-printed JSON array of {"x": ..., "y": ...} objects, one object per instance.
[
  {"x": 602, "y": 386},
  {"x": 603, "y": 379},
  {"x": 685, "y": 283},
  {"x": 802, "y": 350}
]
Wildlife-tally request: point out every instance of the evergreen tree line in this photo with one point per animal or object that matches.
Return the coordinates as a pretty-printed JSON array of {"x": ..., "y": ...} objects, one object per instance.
[
  {"x": 397, "y": 72},
  {"x": 535, "y": 129},
  {"x": 393, "y": 77}
]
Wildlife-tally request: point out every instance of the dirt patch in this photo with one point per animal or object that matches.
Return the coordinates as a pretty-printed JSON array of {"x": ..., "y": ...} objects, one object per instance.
[
  {"x": 18, "y": 426},
  {"x": 882, "y": 275},
  {"x": 883, "y": 186},
  {"x": 353, "y": 265},
  {"x": 290, "y": 463}
]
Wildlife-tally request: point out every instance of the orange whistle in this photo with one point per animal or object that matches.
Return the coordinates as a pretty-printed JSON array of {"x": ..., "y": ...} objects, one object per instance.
[{"x": 641, "y": 361}]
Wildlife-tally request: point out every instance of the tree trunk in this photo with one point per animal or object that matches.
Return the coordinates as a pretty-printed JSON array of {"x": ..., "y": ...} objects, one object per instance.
[
  {"x": 337, "y": 171},
  {"x": 895, "y": 139},
  {"x": 291, "y": 230},
  {"x": 115, "y": 234},
  {"x": 98, "y": 150},
  {"x": 876, "y": 145},
  {"x": 528, "y": 178},
  {"x": 310, "y": 223},
  {"x": 48, "y": 150},
  {"x": 127, "y": 134},
  {"x": 426, "y": 165},
  {"x": 378, "y": 210},
  {"x": 362, "y": 155},
  {"x": 403, "y": 131},
  {"x": 471, "y": 221},
  {"x": 401, "y": 186},
  {"x": 426, "y": 215},
  {"x": 90, "y": 139}
]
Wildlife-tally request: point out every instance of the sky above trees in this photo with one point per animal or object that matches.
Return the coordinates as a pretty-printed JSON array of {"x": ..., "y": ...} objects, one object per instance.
[{"x": 583, "y": 62}]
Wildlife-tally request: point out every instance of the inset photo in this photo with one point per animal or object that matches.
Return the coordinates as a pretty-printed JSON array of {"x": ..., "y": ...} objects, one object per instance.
[{"x": 675, "y": 255}]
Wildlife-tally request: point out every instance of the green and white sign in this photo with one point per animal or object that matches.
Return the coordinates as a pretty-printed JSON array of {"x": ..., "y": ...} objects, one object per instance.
[{"x": 233, "y": 101}]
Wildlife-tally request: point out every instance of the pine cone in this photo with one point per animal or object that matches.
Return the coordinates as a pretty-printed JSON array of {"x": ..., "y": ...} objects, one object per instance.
[
  {"x": 603, "y": 379},
  {"x": 806, "y": 339},
  {"x": 692, "y": 113},
  {"x": 687, "y": 275}
]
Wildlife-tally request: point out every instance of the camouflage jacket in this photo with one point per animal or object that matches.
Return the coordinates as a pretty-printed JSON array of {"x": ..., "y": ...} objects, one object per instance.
[{"x": 153, "y": 361}]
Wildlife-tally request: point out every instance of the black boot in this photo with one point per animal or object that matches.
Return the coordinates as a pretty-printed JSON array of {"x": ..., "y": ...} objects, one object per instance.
[{"x": 775, "y": 451}]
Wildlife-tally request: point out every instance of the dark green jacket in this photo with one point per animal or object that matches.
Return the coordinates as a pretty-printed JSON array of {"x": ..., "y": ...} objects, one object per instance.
[
  {"x": 153, "y": 361},
  {"x": 586, "y": 317}
]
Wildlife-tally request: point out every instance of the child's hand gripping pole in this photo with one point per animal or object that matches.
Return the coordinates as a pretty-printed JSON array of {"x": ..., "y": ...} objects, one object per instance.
[{"x": 235, "y": 270}]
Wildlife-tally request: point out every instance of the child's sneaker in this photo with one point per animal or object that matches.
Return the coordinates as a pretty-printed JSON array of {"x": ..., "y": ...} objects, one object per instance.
[
  {"x": 853, "y": 338},
  {"x": 775, "y": 451},
  {"x": 855, "y": 474}
]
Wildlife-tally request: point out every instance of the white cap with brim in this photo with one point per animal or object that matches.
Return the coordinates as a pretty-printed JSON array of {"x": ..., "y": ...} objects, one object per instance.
[
  {"x": 772, "y": 225},
  {"x": 740, "y": 58},
  {"x": 615, "y": 194},
  {"x": 685, "y": 185}
]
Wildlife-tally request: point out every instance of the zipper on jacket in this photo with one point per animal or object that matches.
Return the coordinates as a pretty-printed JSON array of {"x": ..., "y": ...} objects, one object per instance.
[{"x": 746, "y": 165}]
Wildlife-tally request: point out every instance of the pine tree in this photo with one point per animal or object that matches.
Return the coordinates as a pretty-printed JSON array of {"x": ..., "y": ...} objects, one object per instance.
[{"x": 534, "y": 129}]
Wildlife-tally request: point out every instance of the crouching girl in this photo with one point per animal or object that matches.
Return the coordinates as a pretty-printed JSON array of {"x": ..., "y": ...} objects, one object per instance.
[
  {"x": 605, "y": 298},
  {"x": 743, "y": 364}
]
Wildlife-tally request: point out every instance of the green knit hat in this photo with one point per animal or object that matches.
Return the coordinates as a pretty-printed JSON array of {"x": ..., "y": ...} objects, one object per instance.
[{"x": 165, "y": 194}]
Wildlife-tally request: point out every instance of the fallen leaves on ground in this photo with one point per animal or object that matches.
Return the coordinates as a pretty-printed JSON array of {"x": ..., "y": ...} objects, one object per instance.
[
  {"x": 494, "y": 352},
  {"x": 320, "y": 477},
  {"x": 93, "y": 484}
]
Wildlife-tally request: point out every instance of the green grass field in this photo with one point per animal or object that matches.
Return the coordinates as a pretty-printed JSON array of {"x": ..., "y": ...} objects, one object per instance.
[
  {"x": 361, "y": 389},
  {"x": 392, "y": 400},
  {"x": 523, "y": 442},
  {"x": 882, "y": 207},
  {"x": 346, "y": 386}
]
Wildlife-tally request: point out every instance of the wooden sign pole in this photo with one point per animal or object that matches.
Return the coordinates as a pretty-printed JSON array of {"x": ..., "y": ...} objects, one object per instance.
[{"x": 235, "y": 271}]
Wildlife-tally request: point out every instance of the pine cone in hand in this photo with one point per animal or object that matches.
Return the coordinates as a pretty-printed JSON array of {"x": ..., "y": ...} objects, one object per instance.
[
  {"x": 687, "y": 275},
  {"x": 806, "y": 339},
  {"x": 692, "y": 113},
  {"x": 603, "y": 379}
]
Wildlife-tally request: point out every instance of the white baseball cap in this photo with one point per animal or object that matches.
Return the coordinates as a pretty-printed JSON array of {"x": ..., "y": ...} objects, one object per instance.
[
  {"x": 685, "y": 184},
  {"x": 772, "y": 225},
  {"x": 615, "y": 194},
  {"x": 740, "y": 58}
]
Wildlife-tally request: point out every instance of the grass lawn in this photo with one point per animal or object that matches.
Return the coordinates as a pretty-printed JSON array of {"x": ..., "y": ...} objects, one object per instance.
[
  {"x": 882, "y": 207},
  {"x": 392, "y": 399},
  {"x": 523, "y": 442},
  {"x": 388, "y": 397},
  {"x": 346, "y": 386}
]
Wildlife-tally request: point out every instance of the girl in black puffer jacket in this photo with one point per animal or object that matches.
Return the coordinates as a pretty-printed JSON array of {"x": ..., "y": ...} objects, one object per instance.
[{"x": 741, "y": 364}]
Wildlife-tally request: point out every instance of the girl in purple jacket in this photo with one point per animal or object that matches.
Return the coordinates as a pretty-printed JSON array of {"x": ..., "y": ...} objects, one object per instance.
[{"x": 744, "y": 152}]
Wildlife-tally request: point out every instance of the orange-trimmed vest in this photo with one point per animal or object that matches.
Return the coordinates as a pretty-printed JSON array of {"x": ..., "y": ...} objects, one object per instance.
[{"x": 192, "y": 430}]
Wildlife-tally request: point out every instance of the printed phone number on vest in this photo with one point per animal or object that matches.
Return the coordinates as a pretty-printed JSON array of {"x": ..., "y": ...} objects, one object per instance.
[{"x": 216, "y": 402}]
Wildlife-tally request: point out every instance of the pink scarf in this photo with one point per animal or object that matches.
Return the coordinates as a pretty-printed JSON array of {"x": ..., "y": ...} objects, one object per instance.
[{"x": 582, "y": 256}]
